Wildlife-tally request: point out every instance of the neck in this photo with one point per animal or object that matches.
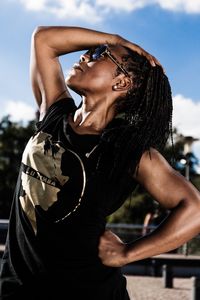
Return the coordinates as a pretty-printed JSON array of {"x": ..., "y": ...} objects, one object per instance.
[
  {"x": 94, "y": 102},
  {"x": 94, "y": 115}
]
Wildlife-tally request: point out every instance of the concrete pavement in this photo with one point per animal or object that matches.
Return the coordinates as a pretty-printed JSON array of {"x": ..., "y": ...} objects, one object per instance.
[{"x": 152, "y": 288}]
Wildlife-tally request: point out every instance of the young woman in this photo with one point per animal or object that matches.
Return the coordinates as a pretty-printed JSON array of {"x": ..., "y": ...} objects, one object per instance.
[{"x": 83, "y": 162}]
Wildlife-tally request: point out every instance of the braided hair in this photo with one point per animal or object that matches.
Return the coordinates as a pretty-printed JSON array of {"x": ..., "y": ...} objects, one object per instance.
[{"x": 144, "y": 116}]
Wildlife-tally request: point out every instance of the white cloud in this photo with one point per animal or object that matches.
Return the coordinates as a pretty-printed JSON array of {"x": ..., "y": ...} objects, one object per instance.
[
  {"x": 127, "y": 5},
  {"x": 186, "y": 114},
  {"x": 75, "y": 9},
  {"x": 188, "y": 6},
  {"x": 35, "y": 5},
  {"x": 18, "y": 111},
  {"x": 68, "y": 9},
  {"x": 94, "y": 11}
]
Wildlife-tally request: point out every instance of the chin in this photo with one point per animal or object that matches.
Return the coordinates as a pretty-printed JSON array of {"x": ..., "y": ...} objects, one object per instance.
[
  {"x": 73, "y": 87},
  {"x": 74, "y": 84},
  {"x": 68, "y": 79},
  {"x": 71, "y": 80}
]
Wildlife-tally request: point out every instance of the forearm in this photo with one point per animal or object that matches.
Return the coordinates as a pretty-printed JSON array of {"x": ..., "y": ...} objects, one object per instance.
[
  {"x": 65, "y": 39},
  {"x": 181, "y": 225}
]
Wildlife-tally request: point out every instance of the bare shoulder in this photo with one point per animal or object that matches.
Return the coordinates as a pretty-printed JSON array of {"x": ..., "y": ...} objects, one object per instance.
[
  {"x": 153, "y": 161},
  {"x": 162, "y": 181}
]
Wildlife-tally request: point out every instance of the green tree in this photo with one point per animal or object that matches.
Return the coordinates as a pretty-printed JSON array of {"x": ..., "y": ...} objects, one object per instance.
[{"x": 13, "y": 138}]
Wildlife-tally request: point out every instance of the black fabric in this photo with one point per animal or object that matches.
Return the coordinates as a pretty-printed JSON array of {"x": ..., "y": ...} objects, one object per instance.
[{"x": 58, "y": 213}]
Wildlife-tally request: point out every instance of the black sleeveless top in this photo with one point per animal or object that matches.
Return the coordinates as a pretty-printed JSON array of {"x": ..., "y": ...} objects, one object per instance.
[{"x": 58, "y": 213}]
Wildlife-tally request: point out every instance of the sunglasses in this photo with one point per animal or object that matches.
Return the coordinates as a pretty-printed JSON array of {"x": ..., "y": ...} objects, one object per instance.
[{"x": 103, "y": 51}]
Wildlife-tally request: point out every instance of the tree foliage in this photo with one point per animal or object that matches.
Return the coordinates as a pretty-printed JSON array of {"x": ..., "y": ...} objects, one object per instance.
[{"x": 13, "y": 138}]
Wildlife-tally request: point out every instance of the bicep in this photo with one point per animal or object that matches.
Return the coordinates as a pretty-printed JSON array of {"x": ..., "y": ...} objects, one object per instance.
[
  {"x": 46, "y": 75},
  {"x": 164, "y": 184}
]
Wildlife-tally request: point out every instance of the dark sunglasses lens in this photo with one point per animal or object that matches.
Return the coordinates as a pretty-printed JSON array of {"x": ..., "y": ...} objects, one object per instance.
[{"x": 98, "y": 52}]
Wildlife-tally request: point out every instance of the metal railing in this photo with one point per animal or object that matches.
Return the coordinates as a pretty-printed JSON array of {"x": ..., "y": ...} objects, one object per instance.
[{"x": 126, "y": 232}]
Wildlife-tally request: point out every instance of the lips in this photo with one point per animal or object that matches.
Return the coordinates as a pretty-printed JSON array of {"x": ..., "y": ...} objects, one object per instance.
[{"x": 77, "y": 67}]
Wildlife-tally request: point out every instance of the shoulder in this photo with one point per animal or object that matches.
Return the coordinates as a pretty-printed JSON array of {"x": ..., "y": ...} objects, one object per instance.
[
  {"x": 152, "y": 164},
  {"x": 62, "y": 106},
  {"x": 45, "y": 107},
  {"x": 58, "y": 111},
  {"x": 152, "y": 157},
  {"x": 165, "y": 184}
]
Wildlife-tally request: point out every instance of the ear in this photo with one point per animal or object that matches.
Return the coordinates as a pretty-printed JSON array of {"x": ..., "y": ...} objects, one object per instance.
[{"x": 123, "y": 83}]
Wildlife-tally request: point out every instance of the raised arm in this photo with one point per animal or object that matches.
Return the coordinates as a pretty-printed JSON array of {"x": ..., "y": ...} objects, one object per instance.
[
  {"x": 50, "y": 42},
  {"x": 172, "y": 191}
]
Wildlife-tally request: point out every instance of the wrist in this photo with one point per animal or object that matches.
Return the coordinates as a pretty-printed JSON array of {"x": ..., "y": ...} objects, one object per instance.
[
  {"x": 114, "y": 39},
  {"x": 128, "y": 254}
]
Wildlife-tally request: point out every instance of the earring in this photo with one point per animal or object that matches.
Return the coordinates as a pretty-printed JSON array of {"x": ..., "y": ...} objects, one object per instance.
[{"x": 115, "y": 87}]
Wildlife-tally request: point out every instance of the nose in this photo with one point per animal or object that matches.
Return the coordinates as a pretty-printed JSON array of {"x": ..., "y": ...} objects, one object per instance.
[{"x": 84, "y": 58}]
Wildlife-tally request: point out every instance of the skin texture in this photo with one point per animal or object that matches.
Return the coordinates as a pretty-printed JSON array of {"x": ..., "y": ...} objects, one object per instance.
[
  {"x": 100, "y": 88},
  {"x": 172, "y": 191}
]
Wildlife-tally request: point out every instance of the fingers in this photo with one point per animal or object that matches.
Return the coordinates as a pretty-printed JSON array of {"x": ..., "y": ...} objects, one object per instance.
[
  {"x": 156, "y": 61},
  {"x": 111, "y": 249},
  {"x": 152, "y": 60}
]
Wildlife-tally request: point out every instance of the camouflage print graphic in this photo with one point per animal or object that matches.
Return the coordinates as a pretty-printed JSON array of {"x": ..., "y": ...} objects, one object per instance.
[{"x": 41, "y": 176}]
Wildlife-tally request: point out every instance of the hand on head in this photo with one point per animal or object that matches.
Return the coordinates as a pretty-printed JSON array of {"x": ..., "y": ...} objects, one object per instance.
[{"x": 134, "y": 47}]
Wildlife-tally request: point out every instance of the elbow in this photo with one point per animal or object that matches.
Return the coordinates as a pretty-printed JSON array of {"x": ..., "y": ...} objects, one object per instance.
[
  {"x": 193, "y": 207},
  {"x": 38, "y": 33},
  {"x": 192, "y": 202}
]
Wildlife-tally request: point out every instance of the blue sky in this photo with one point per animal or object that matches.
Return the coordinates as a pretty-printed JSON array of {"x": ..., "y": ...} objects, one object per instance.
[{"x": 169, "y": 29}]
